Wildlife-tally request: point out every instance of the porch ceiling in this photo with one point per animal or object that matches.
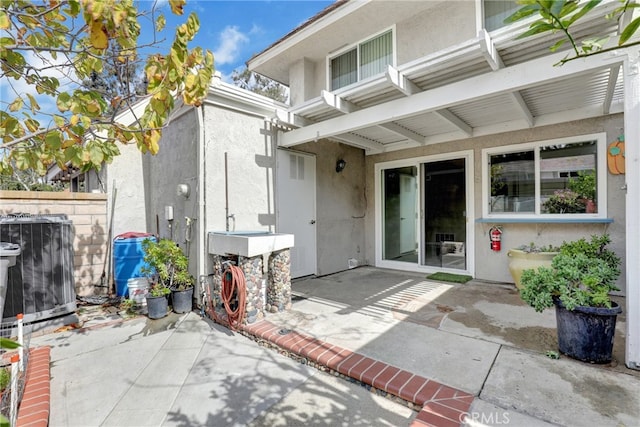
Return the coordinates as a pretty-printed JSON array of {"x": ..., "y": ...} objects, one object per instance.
[{"x": 589, "y": 91}]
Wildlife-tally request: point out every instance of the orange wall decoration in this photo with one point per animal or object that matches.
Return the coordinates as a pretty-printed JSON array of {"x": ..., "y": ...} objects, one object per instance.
[{"x": 615, "y": 156}]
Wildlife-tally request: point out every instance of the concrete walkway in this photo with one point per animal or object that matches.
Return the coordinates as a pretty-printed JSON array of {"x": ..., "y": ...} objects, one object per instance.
[
  {"x": 476, "y": 338},
  {"x": 186, "y": 371}
]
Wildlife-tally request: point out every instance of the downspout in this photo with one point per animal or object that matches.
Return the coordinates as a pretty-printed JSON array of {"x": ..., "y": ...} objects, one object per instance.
[{"x": 201, "y": 225}]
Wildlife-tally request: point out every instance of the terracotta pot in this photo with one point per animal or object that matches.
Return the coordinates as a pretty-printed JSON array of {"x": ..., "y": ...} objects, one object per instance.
[{"x": 520, "y": 260}]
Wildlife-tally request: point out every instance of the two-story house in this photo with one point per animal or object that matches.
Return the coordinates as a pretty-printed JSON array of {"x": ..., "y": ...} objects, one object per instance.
[{"x": 417, "y": 126}]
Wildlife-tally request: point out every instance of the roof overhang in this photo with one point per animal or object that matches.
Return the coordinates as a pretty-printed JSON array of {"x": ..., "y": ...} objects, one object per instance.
[{"x": 491, "y": 83}]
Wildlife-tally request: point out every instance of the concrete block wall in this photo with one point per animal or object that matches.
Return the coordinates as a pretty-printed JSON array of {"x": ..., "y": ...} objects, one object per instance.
[{"x": 88, "y": 212}]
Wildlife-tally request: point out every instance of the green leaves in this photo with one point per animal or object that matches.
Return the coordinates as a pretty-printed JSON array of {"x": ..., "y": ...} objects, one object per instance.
[
  {"x": 629, "y": 31},
  {"x": 560, "y": 15},
  {"x": 58, "y": 48},
  {"x": 583, "y": 274}
]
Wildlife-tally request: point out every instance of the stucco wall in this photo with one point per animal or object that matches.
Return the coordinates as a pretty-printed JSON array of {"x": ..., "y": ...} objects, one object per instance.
[
  {"x": 431, "y": 30},
  {"x": 125, "y": 177},
  {"x": 425, "y": 32},
  {"x": 88, "y": 213},
  {"x": 250, "y": 167},
  {"x": 491, "y": 265},
  {"x": 341, "y": 205}
]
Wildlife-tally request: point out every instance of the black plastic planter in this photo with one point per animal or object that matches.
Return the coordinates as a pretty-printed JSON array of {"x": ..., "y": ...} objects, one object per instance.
[
  {"x": 586, "y": 333},
  {"x": 157, "y": 307},
  {"x": 182, "y": 301}
]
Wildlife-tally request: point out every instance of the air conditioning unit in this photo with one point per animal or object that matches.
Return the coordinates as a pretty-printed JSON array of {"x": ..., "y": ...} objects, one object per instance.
[{"x": 41, "y": 284}]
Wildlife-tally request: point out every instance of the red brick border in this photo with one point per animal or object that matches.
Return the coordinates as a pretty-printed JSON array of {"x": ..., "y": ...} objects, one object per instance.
[
  {"x": 442, "y": 406},
  {"x": 36, "y": 400}
]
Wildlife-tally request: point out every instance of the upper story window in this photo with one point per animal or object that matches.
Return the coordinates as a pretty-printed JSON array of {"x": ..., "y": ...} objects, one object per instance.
[
  {"x": 496, "y": 11},
  {"x": 547, "y": 178},
  {"x": 364, "y": 60}
]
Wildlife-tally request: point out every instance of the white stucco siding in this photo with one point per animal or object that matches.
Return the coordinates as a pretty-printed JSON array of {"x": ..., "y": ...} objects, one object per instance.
[
  {"x": 250, "y": 162},
  {"x": 126, "y": 177},
  {"x": 341, "y": 207},
  {"x": 435, "y": 29},
  {"x": 493, "y": 265},
  {"x": 175, "y": 163}
]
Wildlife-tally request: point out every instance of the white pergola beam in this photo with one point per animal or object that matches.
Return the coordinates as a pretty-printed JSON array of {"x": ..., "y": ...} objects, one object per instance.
[
  {"x": 519, "y": 101},
  {"x": 372, "y": 147},
  {"x": 489, "y": 50},
  {"x": 401, "y": 82},
  {"x": 338, "y": 103},
  {"x": 291, "y": 118},
  {"x": 611, "y": 87},
  {"x": 505, "y": 80},
  {"x": 407, "y": 133},
  {"x": 346, "y": 107},
  {"x": 454, "y": 120}
]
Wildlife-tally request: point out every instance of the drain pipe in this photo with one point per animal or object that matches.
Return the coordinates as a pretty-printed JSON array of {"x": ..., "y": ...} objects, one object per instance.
[
  {"x": 201, "y": 226},
  {"x": 226, "y": 190}
]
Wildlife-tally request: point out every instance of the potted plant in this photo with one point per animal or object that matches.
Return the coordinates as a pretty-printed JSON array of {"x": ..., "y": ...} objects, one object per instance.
[
  {"x": 584, "y": 185},
  {"x": 527, "y": 257},
  {"x": 168, "y": 267},
  {"x": 578, "y": 284},
  {"x": 564, "y": 201},
  {"x": 157, "y": 302}
]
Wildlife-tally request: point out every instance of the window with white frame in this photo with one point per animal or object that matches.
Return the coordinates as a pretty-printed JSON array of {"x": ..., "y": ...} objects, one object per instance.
[
  {"x": 364, "y": 60},
  {"x": 558, "y": 177},
  {"x": 496, "y": 11}
]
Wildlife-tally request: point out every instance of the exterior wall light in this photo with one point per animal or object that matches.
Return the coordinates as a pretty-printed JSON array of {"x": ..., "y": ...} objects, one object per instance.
[
  {"x": 340, "y": 165},
  {"x": 183, "y": 190}
]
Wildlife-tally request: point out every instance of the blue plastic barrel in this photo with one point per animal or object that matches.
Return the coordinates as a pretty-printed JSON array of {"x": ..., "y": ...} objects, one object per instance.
[{"x": 128, "y": 260}]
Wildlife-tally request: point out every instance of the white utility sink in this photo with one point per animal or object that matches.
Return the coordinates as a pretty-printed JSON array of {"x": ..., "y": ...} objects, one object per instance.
[{"x": 248, "y": 243}]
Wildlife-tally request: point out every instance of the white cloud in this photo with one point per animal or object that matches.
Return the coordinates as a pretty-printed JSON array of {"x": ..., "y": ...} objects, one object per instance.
[
  {"x": 231, "y": 40},
  {"x": 50, "y": 67}
]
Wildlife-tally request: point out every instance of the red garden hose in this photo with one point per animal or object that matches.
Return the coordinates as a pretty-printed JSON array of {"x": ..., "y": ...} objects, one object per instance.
[{"x": 234, "y": 287}]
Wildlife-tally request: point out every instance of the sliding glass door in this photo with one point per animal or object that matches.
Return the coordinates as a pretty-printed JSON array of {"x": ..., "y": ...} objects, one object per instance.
[
  {"x": 445, "y": 214},
  {"x": 424, "y": 214},
  {"x": 400, "y": 214}
]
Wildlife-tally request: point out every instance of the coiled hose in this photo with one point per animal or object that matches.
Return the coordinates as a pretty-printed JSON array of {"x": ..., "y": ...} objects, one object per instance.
[{"x": 233, "y": 293}]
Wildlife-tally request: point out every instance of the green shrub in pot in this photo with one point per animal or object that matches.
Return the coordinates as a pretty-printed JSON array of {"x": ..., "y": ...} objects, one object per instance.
[{"x": 582, "y": 274}]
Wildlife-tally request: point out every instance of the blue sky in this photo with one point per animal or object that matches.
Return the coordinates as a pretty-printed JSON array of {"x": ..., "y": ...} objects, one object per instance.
[
  {"x": 233, "y": 30},
  {"x": 236, "y": 30}
]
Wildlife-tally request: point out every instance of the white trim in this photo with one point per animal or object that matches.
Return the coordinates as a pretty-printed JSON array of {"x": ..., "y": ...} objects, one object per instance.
[
  {"x": 468, "y": 156},
  {"x": 506, "y": 80},
  {"x": 201, "y": 223},
  {"x": 632, "y": 201},
  {"x": 601, "y": 166},
  {"x": 341, "y": 51},
  {"x": 318, "y": 25}
]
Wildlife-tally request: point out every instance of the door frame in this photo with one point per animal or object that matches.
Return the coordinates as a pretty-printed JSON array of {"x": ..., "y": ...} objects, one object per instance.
[
  {"x": 468, "y": 156},
  {"x": 277, "y": 195}
]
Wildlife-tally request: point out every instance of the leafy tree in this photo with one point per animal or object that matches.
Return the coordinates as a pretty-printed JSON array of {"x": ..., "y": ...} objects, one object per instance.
[
  {"x": 60, "y": 49},
  {"x": 561, "y": 15},
  {"x": 259, "y": 84}
]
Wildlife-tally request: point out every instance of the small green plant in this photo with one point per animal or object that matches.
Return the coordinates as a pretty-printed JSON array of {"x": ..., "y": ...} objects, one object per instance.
[
  {"x": 5, "y": 378},
  {"x": 128, "y": 305},
  {"x": 533, "y": 248},
  {"x": 563, "y": 202},
  {"x": 582, "y": 274},
  {"x": 584, "y": 185},
  {"x": 552, "y": 354},
  {"x": 167, "y": 267}
]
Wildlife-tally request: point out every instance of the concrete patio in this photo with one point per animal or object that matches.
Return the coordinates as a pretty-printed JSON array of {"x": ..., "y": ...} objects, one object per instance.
[{"x": 477, "y": 338}]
